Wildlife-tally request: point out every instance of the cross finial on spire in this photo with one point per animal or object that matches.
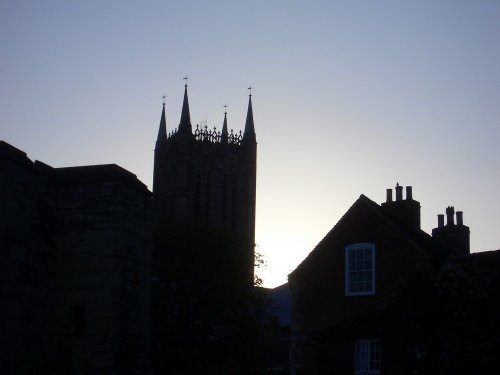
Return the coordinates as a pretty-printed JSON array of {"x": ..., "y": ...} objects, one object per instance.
[
  {"x": 225, "y": 108},
  {"x": 186, "y": 81},
  {"x": 163, "y": 97},
  {"x": 185, "y": 123},
  {"x": 250, "y": 90}
]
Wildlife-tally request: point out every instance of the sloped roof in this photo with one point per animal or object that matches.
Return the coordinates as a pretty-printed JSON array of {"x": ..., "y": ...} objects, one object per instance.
[
  {"x": 8, "y": 151},
  {"x": 80, "y": 174},
  {"x": 418, "y": 237},
  {"x": 99, "y": 173}
]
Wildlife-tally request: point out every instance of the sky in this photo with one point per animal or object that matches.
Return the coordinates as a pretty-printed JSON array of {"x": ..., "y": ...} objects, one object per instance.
[{"x": 349, "y": 98}]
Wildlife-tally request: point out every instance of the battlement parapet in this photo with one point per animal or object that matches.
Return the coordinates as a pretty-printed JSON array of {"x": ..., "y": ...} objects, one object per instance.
[{"x": 204, "y": 134}]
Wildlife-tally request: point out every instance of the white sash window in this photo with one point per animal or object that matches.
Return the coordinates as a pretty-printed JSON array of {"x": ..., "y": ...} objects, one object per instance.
[
  {"x": 359, "y": 269},
  {"x": 367, "y": 357}
]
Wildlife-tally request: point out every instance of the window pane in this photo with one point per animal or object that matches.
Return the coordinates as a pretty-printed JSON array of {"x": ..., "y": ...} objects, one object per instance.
[
  {"x": 367, "y": 357},
  {"x": 360, "y": 356},
  {"x": 367, "y": 264},
  {"x": 374, "y": 356},
  {"x": 352, "y": 260},
  {"x": 367, "y": 286},
  {"x": 360, "y": 268}
]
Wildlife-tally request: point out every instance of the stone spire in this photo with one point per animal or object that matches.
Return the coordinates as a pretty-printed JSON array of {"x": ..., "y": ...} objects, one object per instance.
[
  {"x": 162, "y": 131},
  {"x": 185, "y": 124},
  {"x": 249, "y": 133},
  {"x": 224, "y": 135}
]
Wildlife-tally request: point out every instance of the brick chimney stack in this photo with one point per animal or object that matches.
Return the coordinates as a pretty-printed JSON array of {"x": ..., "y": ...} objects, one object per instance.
[
  {"x": 455, "y": 236},
  {"x": 406, "y": 209}
]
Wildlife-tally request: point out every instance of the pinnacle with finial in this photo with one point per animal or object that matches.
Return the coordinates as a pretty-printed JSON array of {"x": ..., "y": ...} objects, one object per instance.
[
  {"x": 185, "y": 123},
  {"x": 249, "y": 133},
  {"x": 224, "y": 134},
  {"x": 162, "y": 130}
]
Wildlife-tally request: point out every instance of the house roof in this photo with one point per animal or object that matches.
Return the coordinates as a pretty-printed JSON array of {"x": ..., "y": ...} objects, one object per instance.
[
  {"x": 418, "y": 237},
  {"x": 72, "y": 175},
  {"x": 99, "y": 173},
  {"x": 7, "y": 151}
]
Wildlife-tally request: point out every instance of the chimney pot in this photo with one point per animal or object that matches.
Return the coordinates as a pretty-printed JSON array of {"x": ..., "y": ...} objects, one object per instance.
[
  {"x": 450, "y": 215},
  {"x": 440, "y": 220},
  {"x": 409, "y": 194},
  {"x": 456, "y": 237},
  {"x": 399, "y": 192},
  {"x": 389, "y": 195}
]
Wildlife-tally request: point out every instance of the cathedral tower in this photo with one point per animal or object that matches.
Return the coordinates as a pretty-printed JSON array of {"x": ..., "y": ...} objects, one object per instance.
[{"x": 207, "y": 175}]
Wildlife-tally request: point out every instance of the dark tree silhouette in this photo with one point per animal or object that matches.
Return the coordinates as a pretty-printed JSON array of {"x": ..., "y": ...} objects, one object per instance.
[
  {"x": 206, "y": 318},
  {"x": 445, "y": 322}
]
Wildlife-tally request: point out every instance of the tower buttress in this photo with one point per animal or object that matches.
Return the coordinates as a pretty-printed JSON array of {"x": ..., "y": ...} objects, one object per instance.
[
  {"x": 160, "y": 143},
  {"x": 249, "y": 150}
]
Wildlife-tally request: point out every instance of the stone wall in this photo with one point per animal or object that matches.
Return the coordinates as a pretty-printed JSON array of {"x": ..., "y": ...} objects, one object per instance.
[
  {"x": 103, "y": 262},
  {"x": 26, "y": 264},
  {"x": 75, "y": 262}
]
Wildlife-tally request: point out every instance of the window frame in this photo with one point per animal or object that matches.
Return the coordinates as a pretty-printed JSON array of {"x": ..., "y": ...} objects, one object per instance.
[
  {"x": 347, "y": 280},
  {"x": 370, "y": 361}
]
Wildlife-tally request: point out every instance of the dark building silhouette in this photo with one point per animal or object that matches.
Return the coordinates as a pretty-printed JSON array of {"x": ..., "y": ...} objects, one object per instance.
[
  {"x": 207, "y": 175},
  {"x": 378, "y": 295},
  {"x": 76, "y": 245},
  {"x": 75, "y": 253}
]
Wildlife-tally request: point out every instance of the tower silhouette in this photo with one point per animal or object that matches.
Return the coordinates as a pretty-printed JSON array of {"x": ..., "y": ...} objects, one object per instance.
[{"x": 207, "y": 176}]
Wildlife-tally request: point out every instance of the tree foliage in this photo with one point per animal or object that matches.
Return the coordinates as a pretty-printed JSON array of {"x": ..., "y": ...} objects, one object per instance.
[
  {"x": 206, "y": 316},
  {"x": 446, "y": 322}
]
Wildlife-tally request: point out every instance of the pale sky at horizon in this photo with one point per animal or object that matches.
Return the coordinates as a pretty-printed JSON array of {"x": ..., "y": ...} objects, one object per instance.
[{"x": 349, "y": 98}]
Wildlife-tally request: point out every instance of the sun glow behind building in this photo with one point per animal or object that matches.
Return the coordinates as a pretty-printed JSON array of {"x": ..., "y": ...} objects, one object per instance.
[{"x": 348, "y": 99}]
